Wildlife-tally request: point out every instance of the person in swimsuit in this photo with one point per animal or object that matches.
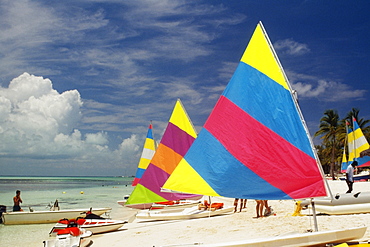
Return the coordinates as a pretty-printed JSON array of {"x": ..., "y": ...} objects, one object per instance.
[{"x": 17, "y": 201}]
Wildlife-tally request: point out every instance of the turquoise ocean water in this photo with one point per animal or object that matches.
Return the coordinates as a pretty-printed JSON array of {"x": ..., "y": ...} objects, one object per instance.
[{"x": 71, "y": 192}]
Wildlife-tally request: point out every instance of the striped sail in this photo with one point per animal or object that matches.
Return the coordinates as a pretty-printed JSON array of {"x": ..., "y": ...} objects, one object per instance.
[
  {"x": 344, "y": 164},
  {"x": 146, "y": 156},
  {"x": 176, "y": 140},
  {"x": 356, "y": 144},
  {"x": 254, "y": 145}
]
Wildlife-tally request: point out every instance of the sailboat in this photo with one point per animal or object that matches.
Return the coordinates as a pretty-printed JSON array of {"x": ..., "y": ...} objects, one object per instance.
[
  {"x": 146, "y": 156},
  {"x": 149, "y": 148},
  {"x": 351, "y": 203},
  {"x": 255, "y": 143},
  {"x": 176, "y": 140},
  {"x": 357, "y": 145}
]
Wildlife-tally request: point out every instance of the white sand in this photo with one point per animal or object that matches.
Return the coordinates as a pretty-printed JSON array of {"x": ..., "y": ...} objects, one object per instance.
[{"x": 231, "y": 227}]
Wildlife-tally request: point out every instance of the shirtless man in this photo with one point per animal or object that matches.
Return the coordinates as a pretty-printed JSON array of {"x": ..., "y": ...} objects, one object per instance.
[{"x": 17, "y": 200}]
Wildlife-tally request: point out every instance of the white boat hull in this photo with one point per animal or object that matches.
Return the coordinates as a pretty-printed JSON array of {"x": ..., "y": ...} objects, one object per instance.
[
  {"x": 102, "y": 227},
  {"x": 96, "y": 226},
  {"x": 42, "y": 217},
  {"x": 72, "y": 242},
  {"x": 67, "y": 240},
  {"x": 319, "y": 238},
  {"x": 181, "y": 214},
  {"x": 181, "y": 204},
  {"x": 343, "y": 209},
  {"x": 136, "y": 206},
  {"x": 343, "y": 204}
]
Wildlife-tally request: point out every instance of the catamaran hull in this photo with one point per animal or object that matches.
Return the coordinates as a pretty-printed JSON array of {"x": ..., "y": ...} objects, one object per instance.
[
  {"x": 343, "y": 204},
  {"x": 187, "y": 213},
  {"x": 42, "y": 217},
  {"x": 296, "y": 239},
  {"x": 344, "y": 209}
]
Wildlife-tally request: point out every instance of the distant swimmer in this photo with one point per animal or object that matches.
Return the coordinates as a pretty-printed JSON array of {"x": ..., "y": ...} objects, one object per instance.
[{"x": 17, "y": 200}]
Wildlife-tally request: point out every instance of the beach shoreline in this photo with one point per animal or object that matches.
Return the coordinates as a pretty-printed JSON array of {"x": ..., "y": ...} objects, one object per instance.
[{"x": 231, "y": 227}]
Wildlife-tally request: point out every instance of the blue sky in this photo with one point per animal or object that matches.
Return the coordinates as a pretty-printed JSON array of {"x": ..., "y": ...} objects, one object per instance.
[{"x": 80, "y": 80}]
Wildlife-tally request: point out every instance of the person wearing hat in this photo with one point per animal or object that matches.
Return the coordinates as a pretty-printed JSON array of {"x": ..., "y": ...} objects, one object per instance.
[{"x": 349, "y": 176}]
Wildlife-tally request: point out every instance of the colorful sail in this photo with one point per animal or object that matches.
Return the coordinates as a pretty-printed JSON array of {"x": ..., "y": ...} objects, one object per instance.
[
  {"x": 356, "y": 144},
  {"x": 176, "y": 140},
  {"x": 254, "y": 145},
  {"x": 146, "y": 156},
  {"x": 344, "y": 164}
]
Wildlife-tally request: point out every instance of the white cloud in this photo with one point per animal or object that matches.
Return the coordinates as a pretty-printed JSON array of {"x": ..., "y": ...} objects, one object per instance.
[
  {"x": 329, "y": 91},
  {"x": 291, "y": 47},
  {"x": 37, "y": 122}
]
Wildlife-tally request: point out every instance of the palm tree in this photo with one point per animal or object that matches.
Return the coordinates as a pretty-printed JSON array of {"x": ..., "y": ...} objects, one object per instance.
[{"x": 328, "y": 131}]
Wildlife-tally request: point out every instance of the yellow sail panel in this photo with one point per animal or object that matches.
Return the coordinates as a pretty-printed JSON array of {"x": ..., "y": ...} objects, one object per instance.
[
  {"x": 184, "y": 172},
  {"x": 150, "y": 144},
  {"x": 143, "y": 163},
  {"x": 259, "y": 55},
  {"x": 181, "y": 120}
]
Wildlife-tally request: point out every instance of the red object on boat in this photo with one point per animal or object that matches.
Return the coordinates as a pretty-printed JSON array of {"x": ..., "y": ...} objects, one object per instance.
[
  {"x": 166, "y": 203},
  {"x": 74, "y": 231},
  {"x": 81, "y": 221}
]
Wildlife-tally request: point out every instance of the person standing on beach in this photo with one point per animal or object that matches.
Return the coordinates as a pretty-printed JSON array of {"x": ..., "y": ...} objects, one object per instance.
[
  {"x": 243, "y": 203},
  {"x": 259, "y": 208},
  {"x": 17, "y": 200},
  {"x": 349, "y": 176}
]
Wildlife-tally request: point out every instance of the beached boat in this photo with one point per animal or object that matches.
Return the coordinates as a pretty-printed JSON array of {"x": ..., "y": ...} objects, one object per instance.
[
  {"x": 169, "y": 205},
  {"x": 47, "y": 216},
  {"x": 176, "y": 140},
  {"x": 351, "y": 203},
  {"x": 161, "y": 205},
  {"x": 91, "y": 222},
  {"x": 357, "y": 147},
  {"x": 150, "y": 146},
  {"x": 255, "y": 131},
  {"x": 182, "y": 214},
  {"x": 294, "y": 239},
  {"x": 70, "y": 237},
  {"x": 362, "y": 176}
]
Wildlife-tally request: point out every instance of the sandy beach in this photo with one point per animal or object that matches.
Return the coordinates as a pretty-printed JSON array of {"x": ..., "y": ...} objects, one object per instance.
[{"x": 231, "y": 227}]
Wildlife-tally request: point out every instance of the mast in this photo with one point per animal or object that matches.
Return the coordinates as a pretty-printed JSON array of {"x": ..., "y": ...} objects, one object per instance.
[{"x": 354, "y": 139}]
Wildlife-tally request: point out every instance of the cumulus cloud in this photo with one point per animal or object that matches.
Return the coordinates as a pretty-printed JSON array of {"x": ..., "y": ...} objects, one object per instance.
[{"x": 37, "y": 122}]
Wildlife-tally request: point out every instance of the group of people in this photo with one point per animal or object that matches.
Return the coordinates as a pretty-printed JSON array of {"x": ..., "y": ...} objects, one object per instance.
[{"x": 261, "y": 204}]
